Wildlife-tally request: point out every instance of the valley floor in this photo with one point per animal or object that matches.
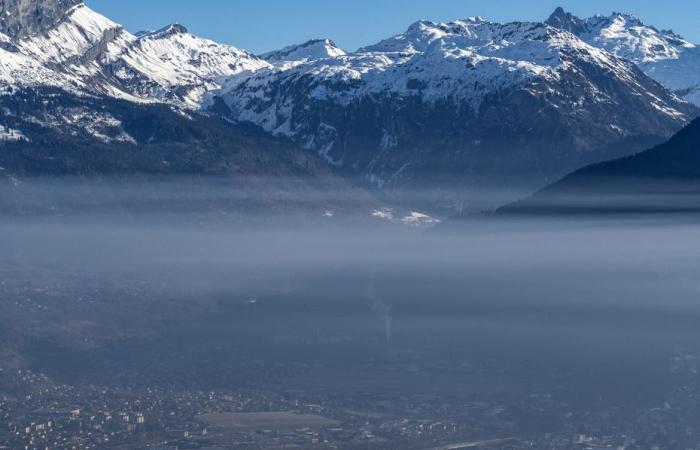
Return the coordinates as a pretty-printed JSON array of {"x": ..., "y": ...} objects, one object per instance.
[{"x": 125, "y": 332}]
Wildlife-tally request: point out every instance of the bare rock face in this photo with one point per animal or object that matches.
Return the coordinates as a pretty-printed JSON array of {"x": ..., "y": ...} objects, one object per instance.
[
  {"x": 20, "y": 18},
  {"x": 566, "y": 21}
]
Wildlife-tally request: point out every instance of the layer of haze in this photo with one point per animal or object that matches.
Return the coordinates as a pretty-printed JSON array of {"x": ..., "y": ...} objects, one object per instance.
[{"x": 180, "y": 296}]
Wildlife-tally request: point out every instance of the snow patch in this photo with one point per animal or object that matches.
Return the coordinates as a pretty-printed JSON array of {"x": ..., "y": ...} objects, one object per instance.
[
  {"x": 11, "y": 135},
  {"x": 101, "y": 126},
  {"x": 383, "y": 213},
  {"x": 412, "y": 218},
  {"x": 416, "y": 219},
  {"x": 389, "y": 141}
]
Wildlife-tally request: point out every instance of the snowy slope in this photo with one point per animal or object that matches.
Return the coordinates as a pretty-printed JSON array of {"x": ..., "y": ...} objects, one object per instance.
[
  {"x": 80, "y": 52},
  {"x": 81, "y": 30},
  {"x": 662, "y": 54},
  {"x": 167, "y": 65},
  {"x": 463, "y": 60},
  {"x": 175, "y": 66},
  {"x": 18, "y": 70},
  {"x": 681, "y": 74},
  {"x": 313, "y": 50}
]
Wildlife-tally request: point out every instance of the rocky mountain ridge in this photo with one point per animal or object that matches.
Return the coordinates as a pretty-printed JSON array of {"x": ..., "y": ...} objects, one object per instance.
[
  {"x": 466, "y": 105},
  {"x": 664, "y": 55},
  {"x": 26, "y": 17},
  {"x": 471, "y": 103}
]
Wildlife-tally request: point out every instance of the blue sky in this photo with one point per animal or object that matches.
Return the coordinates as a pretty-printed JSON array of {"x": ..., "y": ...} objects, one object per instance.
[{"x": 263, "y": 25}]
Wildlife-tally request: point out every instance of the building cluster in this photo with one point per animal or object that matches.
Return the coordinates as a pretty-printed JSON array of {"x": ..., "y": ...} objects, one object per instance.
[{"x": 39, "y": 413}]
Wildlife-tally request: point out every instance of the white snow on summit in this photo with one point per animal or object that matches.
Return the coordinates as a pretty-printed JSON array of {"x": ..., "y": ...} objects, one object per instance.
[
  {"x": 172, "y": 59},
  {"x": 463, "y": 60},
  {"x": 81, "y": 30},
  {"x": 662, "y": 54},
  {"x": 313, "y": 50},
  {"x": 627, "y": 36},
  {"x": 88, "y": 50}
]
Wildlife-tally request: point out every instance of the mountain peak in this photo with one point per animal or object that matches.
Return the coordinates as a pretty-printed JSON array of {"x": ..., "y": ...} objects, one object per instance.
[
  {"x": 170, "y": 30},
  {"x": 623, "y": 34},
  {"x": 564, "y": 20},
  {"x": 420, "y": 26},
  {"x": 20, "y": 18},
  {"x": 629, "y": 20},
  {"x": 311, "y": 50},
  {"x": 175, "y": 28}
]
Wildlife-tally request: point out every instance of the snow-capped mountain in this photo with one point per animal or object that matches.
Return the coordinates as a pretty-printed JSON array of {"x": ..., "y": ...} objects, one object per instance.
[
  {"x": 662, "y": 54},
  {"x": 313, "y": 50},
  {"x": 173, "y": 65},
  {"x": 84, "y": 49},
  {"x": 81, "y": 95},
  {"x": 468, "y": 101}
]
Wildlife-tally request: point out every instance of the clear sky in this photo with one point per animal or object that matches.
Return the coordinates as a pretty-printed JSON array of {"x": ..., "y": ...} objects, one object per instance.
[{"x": 263, "y": 25}]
